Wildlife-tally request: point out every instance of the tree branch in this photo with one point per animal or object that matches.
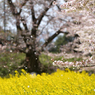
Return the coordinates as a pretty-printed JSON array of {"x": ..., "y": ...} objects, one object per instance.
[
  {"x": 25, "y": 1},
  {"x": 58, "y": 7},
  {"x": 50, "y": 39},
  {"x": 52, "y": 18},
  {"x": 25, "y": 25},
  {"x": 12, "y": 6},
  {"x": 45, "y": 26},
  {"x": 44, "y": 12},
  {"x": 17, "y": 14},
  {"x": 33, "y": 14}
]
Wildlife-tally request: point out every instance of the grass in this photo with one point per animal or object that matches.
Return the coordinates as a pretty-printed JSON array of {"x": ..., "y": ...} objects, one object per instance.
[
  {"x": 70, "y": 59},
  {"x": 9, "y": 62},
  {"x": 45, "y": 59}
]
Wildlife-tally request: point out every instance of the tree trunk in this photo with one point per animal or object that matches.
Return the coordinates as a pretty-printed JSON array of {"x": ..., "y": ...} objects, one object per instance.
[{"x": 32, "y": 62}]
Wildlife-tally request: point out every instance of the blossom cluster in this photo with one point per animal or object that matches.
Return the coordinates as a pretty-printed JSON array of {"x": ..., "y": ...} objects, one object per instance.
[
  {"x": 2, "y": 47},
  {"x": 74, "y": 5},
  {"x": 78, "y": 64},
  {"x": 58, "y": 83}
]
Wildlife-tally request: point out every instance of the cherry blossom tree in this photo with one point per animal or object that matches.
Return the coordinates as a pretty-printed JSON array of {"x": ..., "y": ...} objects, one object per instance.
[
  {"x": 82, "y": 13},
  {"x": 35, "y": 21},
  {"x": 83, "y": 18}
]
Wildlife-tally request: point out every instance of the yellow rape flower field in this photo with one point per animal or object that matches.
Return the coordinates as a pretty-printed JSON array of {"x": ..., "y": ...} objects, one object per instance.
[{"x": 58, "y": 83}]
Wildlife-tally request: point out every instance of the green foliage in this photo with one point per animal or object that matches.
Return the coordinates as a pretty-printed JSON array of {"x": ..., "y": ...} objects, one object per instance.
[
  {"x": 45, "y": 59},
  {"x": 9, "y": 62},
  {"x": 46, "y": 63},
  {"x": 61, "y": 40},
  {"x": 73, "y": 59}
]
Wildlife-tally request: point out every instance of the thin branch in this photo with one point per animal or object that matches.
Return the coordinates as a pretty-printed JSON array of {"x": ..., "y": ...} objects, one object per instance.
[
  {"x": 52, "y": 18},
  {"x": 58, "y": 8},
  {"x": 45, "y": 26},
  {"x": 44, "y": 12},
  {"x": 12, "y": 6}
]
